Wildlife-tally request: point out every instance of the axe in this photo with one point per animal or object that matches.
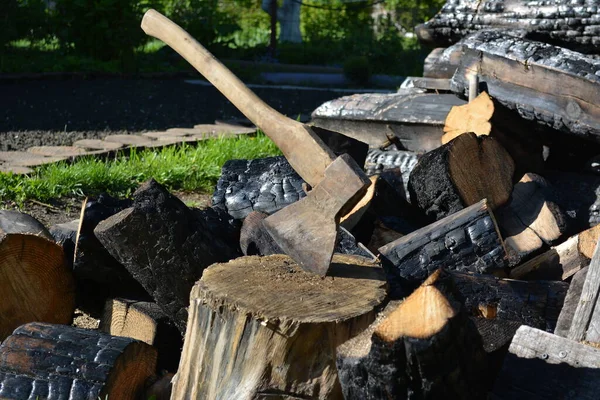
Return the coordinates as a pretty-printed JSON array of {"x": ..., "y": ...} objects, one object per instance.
[{"x": 307, "y": 229}]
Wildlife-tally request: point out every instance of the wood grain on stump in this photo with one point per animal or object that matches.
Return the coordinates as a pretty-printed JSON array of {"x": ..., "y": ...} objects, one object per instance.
[
  {"x": 262, "y": 326},
  {"x": 35, "y": 282},
  {"x": 44, "y": 361}
]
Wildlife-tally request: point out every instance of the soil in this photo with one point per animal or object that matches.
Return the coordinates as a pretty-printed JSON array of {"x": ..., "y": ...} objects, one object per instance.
[{"x": 58, "y": 112}]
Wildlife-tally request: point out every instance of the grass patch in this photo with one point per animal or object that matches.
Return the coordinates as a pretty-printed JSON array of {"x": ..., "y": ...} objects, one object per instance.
[{"x": 182, "y": 167}]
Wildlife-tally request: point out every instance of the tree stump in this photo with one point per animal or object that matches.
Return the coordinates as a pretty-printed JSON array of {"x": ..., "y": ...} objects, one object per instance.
[
  {"x": 35, "y": 282},
  {"x": 262, "y": 326},
  {"x": 44, "y": 361}
]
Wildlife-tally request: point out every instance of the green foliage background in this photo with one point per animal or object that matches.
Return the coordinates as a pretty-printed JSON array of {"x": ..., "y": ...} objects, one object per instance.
[{"x": 109, "y": 31}]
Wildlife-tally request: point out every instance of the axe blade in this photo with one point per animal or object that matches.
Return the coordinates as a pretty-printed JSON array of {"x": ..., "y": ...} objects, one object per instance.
[{"x": 307, "y": 229}]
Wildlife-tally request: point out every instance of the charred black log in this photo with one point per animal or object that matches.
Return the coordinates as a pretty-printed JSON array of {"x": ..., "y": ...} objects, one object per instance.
[
  {"x": 412, "y": 119},
  {"x": 266, "y": 185},
  {"x": 166, "y": 246},
  {"x": 425, "y": 347},
  {"x": 561, "y": 22},
  {"x": 44, "y": 361},
  {"x": 531, "y": 92},
  {"x": 466, "y": 241}
]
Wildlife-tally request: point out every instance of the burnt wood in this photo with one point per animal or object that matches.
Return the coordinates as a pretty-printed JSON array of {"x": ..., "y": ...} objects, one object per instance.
[
  {"x": 165, "y": 245},
  {"x": 442, "y": 62},
  {"x": 425, "y": 347},
  {"x": 146, "y": 322},
  {"x": 266, "y": 185},
  {"x": 531, "y": 91},
  {"x": 35, "y": 281},
  {"x": 541, "y": 365},
  {"x": 565, "y": 319},
  {"x": 413, "y": 119},
  {"x": 461, "y": 173},
  {"x": 397, "y": 163},
  {"x": 561, "y": 22},
  {"x": 45, "y": 361},
  {"x": 465, "y": 241}
]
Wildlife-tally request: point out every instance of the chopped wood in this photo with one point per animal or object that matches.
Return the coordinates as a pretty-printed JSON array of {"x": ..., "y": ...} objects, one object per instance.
[
  {"x": 561, "y": 22},
  {"x": 45, "y": 361},
  {"x": 530, "y": 221},
  {"x": 460, "y": 173},
  {"x": 561, "y": 261},
  {"x": 472, "y": 117},
  {"x": 266, "y": 185},
  {"x": 557, "y": 89},
  {"x": 35, "y": 281},
  {"x": 565, "y": 319},
  {"x": 415, "y": 119},
  {"x": 146, "y": 322},
  {"x": 442, "y": 62},
  {"x": 262, "y": 326},
  {"x": 343, "y": 144},
  {"x": 541, "y": 365},
  {"x": 587, "y": 301},
  {"x": 425, "y": 347},
  {"x": 166, "y": 246},
  {"x": 65, "y": 235},
  {"x": 466, "y": 241}
]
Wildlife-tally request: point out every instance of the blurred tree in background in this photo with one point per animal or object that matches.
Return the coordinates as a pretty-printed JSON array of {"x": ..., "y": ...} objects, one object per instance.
[{"x": 333, "y": 32}]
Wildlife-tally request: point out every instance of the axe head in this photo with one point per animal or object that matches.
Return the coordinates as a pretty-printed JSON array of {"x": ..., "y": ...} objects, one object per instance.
[{"x": 307, "y": 229}]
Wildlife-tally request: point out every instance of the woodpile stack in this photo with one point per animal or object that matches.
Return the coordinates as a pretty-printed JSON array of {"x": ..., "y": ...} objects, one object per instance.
[{"x": 469, "y": 269}]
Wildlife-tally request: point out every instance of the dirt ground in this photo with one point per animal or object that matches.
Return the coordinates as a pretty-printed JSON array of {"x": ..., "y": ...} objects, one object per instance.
[{"x": 58, "y": 112}]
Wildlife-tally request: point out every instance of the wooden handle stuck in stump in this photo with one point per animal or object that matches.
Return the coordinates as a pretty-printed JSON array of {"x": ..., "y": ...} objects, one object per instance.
[{"x": 262, "y": 326}]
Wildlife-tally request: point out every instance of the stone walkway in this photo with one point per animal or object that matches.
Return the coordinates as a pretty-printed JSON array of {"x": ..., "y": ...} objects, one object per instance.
[{"x": 21, "y": 162}]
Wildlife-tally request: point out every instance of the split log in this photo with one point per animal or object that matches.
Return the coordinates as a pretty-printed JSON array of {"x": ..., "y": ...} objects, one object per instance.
[
  {"x": 531, "y": 92},
  {"x": 466, "y": 241},
  {"x": 412, "y": 118},
  {"x": 166, "y": 246},
  {"x": 461, "y": 173},
  {"x": 563, "y": 23},
  {"x": 585, "y": 324},
  {"x": 483, "y": 116},
  {"x": 530, "y": 221},
  {"x": 565, "y": 319},
  {"x": 263, "y": 327},
  {"x": 45, "y": 361},
  {"x": 35, "y": 281},
  {"x": 561, "y": 261},
  {"x": 255, "y": 240},
  {"x": 442, "y": 62},
  {"x": 266, "y": 185},
  {"x": 146, "y": 322},
  {"x": 426, "y": 347},
  {"x": 65, "y": 235},
  {"x": 545, "y": 366}
]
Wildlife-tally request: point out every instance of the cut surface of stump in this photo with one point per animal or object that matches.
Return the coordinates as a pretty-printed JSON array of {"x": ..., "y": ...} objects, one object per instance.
[
  {"x": 35, "y": 281},
  {"x": 262, "y": 326},
  {"x": 461, "y": 173},
  {"x": 44, "y": 361}
]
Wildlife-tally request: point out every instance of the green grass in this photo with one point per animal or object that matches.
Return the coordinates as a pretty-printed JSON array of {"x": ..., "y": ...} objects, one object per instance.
[{"x": 184, "y": 167}]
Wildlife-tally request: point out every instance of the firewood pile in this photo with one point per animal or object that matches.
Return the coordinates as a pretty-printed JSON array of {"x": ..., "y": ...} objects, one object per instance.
[{"x": 469, "y": 268}]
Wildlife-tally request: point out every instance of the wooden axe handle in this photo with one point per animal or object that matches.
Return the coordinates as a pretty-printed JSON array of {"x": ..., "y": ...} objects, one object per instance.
[{"x": 305, "y": 151}]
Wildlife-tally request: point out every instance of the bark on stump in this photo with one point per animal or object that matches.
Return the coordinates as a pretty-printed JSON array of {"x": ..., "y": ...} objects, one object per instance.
[
  {"x": 461, "y": 173},
  {"x": 261, "y": 327},
  {"x": 44, "y": 361},
  {"x": 35, "y": 281}
]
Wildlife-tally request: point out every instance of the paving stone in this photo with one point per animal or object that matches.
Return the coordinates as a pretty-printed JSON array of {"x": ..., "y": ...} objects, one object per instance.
[
  {"x": 58, "y": 151},
  {"x": 25, "y": 159},
  {"x": 97, "y": 144},
  {"x": 130, "y": 140}
]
